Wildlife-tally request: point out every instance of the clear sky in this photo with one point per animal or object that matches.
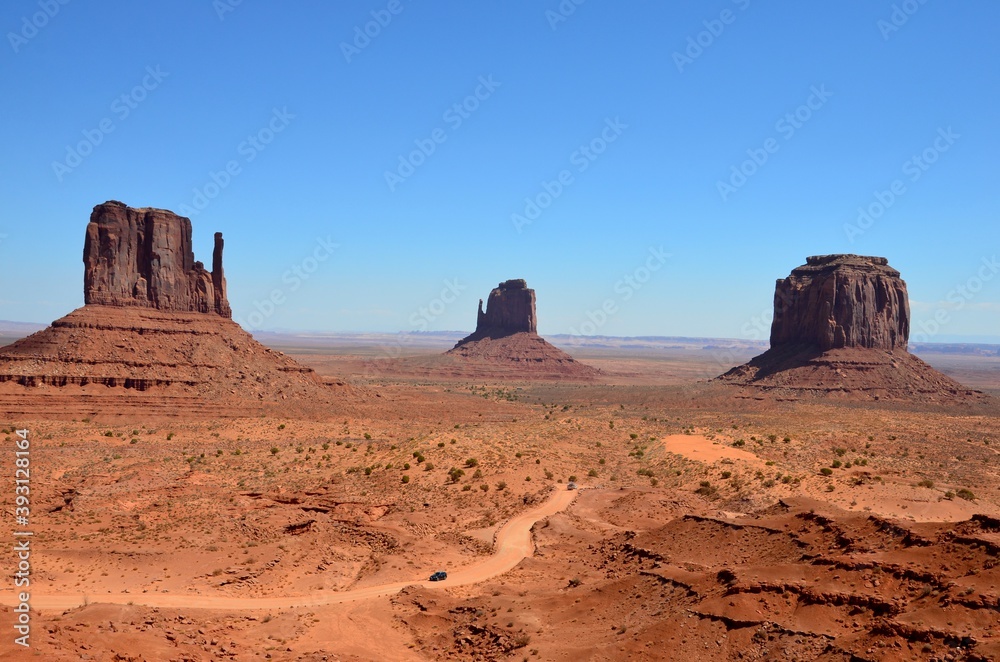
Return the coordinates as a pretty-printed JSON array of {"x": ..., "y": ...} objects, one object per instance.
[{"x": 665, "y": 161}]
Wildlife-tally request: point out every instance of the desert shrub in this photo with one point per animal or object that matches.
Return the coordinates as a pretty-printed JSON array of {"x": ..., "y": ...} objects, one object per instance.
[
  {"x": 274, "y": 450},
  {"x": 965, "y": 494},
  {"x": 501, "y": 486},
  {"x": 633, "y": 436},
  {"x": 429, "y": 466},
  {"x": 926, "y": 483},
  {"x": 572, "y": 479},
  {"x": 455, "y": 474},
  {"x": 281, "y": 427},
  {"x": 826, "y": 471},
  {"x": 706, "y": 489},
  {"x": 472, "y": 462},
  {"x": 367, "y": 436},
  {"x": 726, "y": 475},
  {"x": 406, "y": 479},
  {"x": 484, "y": 487},
  {"x": 592, "y": 473},
  {"x": 739, "y": 443},
  {"x": 836, "y": 464}
]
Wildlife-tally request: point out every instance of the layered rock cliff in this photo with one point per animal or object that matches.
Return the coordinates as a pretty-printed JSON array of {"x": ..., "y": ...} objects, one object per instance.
[
  {"x": 509, "y": 309},
  {"x": 837, "y": 301},
  {"x": 156, "y": 334},
  {"x": 143, "y": 257},
  {"x": 841, "y": 326}
]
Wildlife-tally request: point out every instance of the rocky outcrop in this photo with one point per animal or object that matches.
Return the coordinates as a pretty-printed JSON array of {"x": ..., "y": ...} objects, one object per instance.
[
  {"x": 841, "y": 326},
  {"x": 506, "y": 344},
  {"x": 837, "y": 301},
  {"x": 155, "y": 335},
  {"x": 143, "y": 258},
  {"x": 509, "y": 309}
]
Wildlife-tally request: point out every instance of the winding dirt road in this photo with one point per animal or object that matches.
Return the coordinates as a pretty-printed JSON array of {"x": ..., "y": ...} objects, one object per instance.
[{"x": 513, "y": 543}]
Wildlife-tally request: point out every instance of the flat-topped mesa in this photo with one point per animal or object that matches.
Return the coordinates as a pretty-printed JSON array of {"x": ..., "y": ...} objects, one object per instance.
[
  {"x": 840, "y": 301},
  {"x": 144, "y": 258},
  {"x": 509, "y": 309}
]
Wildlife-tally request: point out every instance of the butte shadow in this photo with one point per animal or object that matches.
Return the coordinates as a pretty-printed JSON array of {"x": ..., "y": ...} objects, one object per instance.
[
  {"x": 155, "y": 336},
  {"x": 841, "y": 327}
]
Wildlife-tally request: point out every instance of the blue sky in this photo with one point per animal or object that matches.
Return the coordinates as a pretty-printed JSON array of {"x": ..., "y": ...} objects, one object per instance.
[{"x": 627, "y": 124}]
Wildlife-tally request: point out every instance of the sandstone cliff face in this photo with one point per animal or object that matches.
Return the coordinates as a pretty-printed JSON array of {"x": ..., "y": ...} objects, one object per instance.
[
  {"x": 841, "y": 327},
  {"x": 509, "y": 309},
  {"x": 143, "y": 258},
  {"x": 840, "y": 301}
]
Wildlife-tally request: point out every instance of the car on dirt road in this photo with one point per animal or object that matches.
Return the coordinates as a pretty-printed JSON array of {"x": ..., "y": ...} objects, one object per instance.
[{"x": 439, "y": 576}]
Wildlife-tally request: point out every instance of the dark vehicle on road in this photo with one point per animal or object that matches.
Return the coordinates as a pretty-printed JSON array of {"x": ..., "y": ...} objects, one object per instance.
[{"x": 439, "y": 576}]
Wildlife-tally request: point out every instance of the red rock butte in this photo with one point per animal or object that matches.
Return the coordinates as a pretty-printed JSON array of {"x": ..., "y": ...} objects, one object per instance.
[
  {"x": 155, "y": 333},
  {"x": 841, "y": 326},
  {"x": 144, "y": 258},
  {"x": 506, "y": 342}
]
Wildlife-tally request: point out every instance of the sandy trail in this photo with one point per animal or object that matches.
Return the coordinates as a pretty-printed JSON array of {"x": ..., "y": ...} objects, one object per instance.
[{"x": 513, "y": 544}]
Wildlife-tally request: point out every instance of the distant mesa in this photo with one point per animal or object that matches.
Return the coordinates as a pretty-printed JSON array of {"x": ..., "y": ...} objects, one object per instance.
[
  {"x": 841, "y": 326},
  {"x": 156, "y": 321},
  {"x": 506, "y": 340},
  {"x": 510, "y": 309}
]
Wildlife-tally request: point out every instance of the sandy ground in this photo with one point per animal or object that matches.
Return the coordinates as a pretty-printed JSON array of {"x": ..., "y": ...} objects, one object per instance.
[{"x": 707, "y": 528}]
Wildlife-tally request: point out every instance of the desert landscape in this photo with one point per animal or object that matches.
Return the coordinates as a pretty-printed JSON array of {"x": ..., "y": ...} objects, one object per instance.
[
  {"x": 551, "y": 331},
  {"x": 199, "y": 496}
]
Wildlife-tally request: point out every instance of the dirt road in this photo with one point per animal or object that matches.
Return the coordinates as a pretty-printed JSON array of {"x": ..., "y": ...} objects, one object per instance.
[{"x": 513, "y": 543}]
